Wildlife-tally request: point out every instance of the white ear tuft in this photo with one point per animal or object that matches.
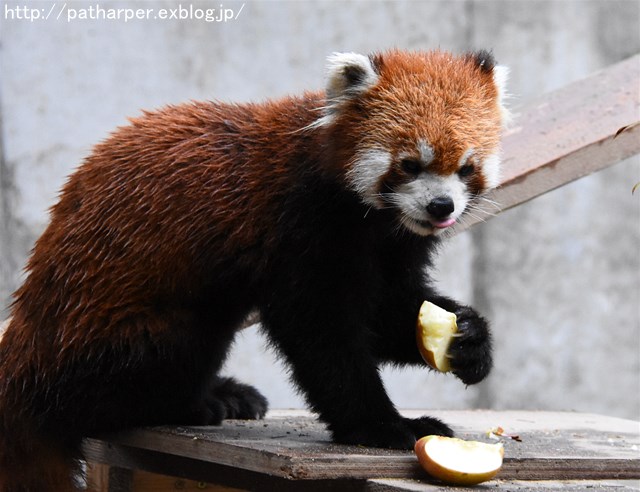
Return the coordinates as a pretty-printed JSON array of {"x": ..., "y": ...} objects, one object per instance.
[
  {"x": 349, "y": 74},
  {"x": 500, "y": 76}
]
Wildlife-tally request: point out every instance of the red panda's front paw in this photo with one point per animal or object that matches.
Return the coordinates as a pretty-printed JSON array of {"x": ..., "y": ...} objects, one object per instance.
[
  {"x": 390, "y": 435},
  {"x": 395, "y": 434},
  {"x": 470, "y": 352},
  {"x": 426, "y": 426}
]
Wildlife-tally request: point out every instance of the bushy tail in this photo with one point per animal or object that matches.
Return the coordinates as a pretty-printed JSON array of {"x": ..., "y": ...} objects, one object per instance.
[
  {"x": 32, "y": 464},
  {"x": 29, "y": 462}
]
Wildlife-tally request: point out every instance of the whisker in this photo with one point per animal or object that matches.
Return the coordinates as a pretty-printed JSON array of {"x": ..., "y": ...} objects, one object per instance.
[
  {"x": 477, "y": 210},
  {"x": 469, "y": 213},
  {"x": 490, "y": 202},
  {"x": 486, "y": 201},
  {"x": 479, "y": 214},
  {"x": 448, "y": 233},
  {"x": 481, "y": 211},
  {"x": 390, "y": 200}
]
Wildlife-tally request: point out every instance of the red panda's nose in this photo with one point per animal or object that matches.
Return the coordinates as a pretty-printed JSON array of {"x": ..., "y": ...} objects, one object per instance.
[{"x": 440, "y": 207}]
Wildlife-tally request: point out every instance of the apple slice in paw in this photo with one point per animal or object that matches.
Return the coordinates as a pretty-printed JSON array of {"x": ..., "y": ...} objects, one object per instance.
[{"x": 434, "y": 332}]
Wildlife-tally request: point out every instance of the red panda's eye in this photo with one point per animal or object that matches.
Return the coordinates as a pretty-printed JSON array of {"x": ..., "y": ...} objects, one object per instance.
[
  {"x": 411, "y": 166},
  {"x": 466, "y": 170}
]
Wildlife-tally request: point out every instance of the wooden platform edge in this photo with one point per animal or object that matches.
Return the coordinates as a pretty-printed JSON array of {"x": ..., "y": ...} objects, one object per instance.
[
  {"x": 400, "y": 485},
  {"x": 260, "y": 450},
  {"x": 135, "y": 458},
  {"x": 132, "y": 457}
]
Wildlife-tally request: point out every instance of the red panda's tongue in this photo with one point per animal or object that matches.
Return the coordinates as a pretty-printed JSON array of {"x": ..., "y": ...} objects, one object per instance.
[{"x": 443, "y": 224}]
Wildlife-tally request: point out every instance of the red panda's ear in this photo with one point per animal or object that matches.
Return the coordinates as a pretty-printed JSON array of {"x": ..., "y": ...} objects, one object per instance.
[
  {"x": 485, "y": 61},
  {"x": 349, "y": 74}
]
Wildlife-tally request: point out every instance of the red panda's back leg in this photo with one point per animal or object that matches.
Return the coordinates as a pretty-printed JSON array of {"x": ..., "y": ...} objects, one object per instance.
[
  {"x": 169, "y": 374},
  {"x": 157, "y": 367},
  {"x": 227, "y": 398}
]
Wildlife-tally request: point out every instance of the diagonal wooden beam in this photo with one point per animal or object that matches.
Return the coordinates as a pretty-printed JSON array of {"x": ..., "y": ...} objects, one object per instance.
[{"x": 564, "y": 135}]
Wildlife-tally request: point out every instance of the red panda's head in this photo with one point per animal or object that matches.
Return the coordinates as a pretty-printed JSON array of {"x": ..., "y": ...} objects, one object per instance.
[{"x": 420, "y": 131}]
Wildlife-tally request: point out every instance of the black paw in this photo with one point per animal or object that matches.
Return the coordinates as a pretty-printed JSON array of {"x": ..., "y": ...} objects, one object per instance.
[
  {"x": 397, "y": 434},
  {"x": 427, "y": 426},
  {"x": 229, "y": 399},
  {"x": 391, "y": 435},
  {"x": 470, "y": 352}
]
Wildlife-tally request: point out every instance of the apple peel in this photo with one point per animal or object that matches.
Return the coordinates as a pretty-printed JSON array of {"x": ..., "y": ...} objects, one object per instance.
[
  {"x": 459, "y": 462},
  {"x": 435, "y": 330}
]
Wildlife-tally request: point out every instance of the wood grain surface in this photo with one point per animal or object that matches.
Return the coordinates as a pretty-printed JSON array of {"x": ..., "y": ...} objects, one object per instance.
[{"x": 553, "y": 446}]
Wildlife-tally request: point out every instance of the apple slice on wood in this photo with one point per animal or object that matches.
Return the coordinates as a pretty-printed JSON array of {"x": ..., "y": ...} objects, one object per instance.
[
  {"x": 434, "y": 332},
  {"x": 459, "y": 462}
]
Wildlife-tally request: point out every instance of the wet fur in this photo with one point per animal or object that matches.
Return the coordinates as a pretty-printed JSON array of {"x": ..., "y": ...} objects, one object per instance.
[{"x": 180, "y": 224}]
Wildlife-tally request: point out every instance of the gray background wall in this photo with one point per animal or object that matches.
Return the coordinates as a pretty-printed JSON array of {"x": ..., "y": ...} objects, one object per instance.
[{"x": 559, "y": 277}]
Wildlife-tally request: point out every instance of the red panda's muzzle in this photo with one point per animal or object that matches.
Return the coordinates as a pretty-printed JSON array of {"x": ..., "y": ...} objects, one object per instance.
[{"x": 440, "y": 210}]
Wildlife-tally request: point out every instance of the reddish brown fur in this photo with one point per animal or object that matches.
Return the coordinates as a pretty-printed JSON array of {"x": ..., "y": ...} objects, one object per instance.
[{"x": 179, "y": 148}]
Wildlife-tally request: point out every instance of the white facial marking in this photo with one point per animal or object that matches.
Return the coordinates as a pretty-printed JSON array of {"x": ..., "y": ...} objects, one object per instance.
[
  {"x": 491, "y": 170},
  {"x": 465, "y": 157},
  {"x": 426, "y": 152},
  {"x": 366, "y": 174},
  {"x": 412, "y": 198}
]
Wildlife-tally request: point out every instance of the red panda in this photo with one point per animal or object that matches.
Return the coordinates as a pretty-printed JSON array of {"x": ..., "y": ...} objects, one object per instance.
[{"x": 320, "y": 212}]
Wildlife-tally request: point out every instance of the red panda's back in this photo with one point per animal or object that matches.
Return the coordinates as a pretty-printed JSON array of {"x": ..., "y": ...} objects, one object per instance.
[{"x": 159, "y": 204}]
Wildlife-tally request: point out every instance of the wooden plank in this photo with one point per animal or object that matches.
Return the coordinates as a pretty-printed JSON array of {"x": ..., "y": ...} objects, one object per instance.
[
  {"x": 564, "y": 135},
  {"x": 127, "y": 457},
  {"x": 555, "y": 446},
  {"x": 399, "y": 485},
  {"x": 105, "y": 478}
]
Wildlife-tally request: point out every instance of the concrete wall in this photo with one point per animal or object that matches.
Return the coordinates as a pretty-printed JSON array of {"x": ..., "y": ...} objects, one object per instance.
[{"x": 559, "y": 277}]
